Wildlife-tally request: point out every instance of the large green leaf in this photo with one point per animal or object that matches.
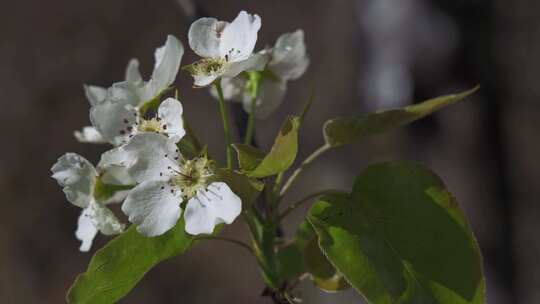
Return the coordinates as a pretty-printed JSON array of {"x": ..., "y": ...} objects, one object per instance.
[
  {"x": 400, "y": 237},
  {"x": 341, "y": 131},
  {"x": 283, "y": 152},
  {"x": 117, "y": 267}
]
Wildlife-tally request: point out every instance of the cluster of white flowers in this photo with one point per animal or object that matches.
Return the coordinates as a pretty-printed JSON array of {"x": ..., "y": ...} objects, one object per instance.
[{"x": 145, "y": 168}]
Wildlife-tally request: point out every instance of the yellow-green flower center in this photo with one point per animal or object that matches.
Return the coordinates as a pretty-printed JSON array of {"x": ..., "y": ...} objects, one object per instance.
[
  {"x": 209, "y": 66},
  {"x": 193, "y": 177},
  {"x": 151, "y": 125}
]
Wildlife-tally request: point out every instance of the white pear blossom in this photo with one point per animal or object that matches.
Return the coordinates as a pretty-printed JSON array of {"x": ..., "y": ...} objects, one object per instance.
[
  {"x": 111, "y": 106},
  {"x": 288, "y": 61},
  {"x": 226, "y": 48},
  {"x": 78, "y": 177},
  {"x": 166, "y": 180},
  {"x": 122, "y": 122}
]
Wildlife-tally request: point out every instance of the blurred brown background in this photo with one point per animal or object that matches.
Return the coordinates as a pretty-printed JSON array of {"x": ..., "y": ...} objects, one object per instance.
[{"x": 365, "y": 54}]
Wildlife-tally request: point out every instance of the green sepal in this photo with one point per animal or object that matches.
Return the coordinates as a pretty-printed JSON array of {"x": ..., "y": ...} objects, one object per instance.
[{"x": 103, "y": 192}]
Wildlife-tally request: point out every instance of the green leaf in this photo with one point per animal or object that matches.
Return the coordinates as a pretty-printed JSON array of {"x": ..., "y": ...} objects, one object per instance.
[
  {"x": 283, "y": 152},
  {"x": 400, "y": 237},
  {"x": 249, "y": 157},
  {"x": 341, "y": 131},
  {"x": 117, "y": 267}
]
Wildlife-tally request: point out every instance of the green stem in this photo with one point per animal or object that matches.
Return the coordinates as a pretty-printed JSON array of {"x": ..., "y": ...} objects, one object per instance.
[
  {"x": 302, "y": 166},
  {"x": 251, "y": 121},
  {"x": 304, "y": 200},
  {"x": 254, "y": 82},
  {"x": 226, "y": 124},
  {"x": 229, "y": 240}
]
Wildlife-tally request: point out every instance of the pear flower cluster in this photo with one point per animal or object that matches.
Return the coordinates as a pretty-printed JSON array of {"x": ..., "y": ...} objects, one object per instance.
[{"x": 145, "y": 169}]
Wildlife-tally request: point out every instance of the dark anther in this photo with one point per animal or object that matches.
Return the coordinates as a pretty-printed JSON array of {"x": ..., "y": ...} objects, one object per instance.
[{"x": 122, "y": 132}]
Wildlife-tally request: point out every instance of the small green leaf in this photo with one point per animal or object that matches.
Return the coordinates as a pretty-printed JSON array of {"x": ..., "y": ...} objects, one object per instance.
[
  {"x": 400, "y": 237},
  {"x": 283, "y": 152},
  {"x": 117, "y": 267},
  {"x": 249, "y": 157},
  {"x": 341, "y": 131}
]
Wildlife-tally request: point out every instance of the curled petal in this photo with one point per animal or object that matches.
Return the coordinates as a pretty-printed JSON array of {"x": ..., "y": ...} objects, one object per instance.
[
  {"x": 86, "y": 231},
  {"x": 210, "y": 208},
  {"x": 256, "y": 62},
  {"x": 204, "y": 37},
  {"x": 289, "y": 59},
  {"x": 103, "y": 219},
  {"x": 233, "y": 88},
  {"x": 202, "y": 80},
  {"x": 133, "y": 74},
  {"x": 239, "y": 37},
  {"x": 77, "y": 176},
  {"x": 168, "y": 58},
  {"x": 270, "y": 96},
  {"x": 153, "y": 207},
  {"x": 89, "y": 135},
  {"x": 170, "y": 111},
  {"x": 95, "y": 94}
]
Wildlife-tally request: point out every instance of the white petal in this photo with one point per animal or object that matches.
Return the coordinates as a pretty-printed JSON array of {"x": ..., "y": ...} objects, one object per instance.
[
  {"x": 89, "y": 135},
  {"x": 147, "y": 156},
  {"x": 203, "y": 80},
  {"x": 210, "y": 208},
  {"x": 152, "y": 207},
  {"x": 114, "y": 121},
  {"x": 271, "y": 94},
  {"x": 116, "y": 175},
  {"x": 239, "y": 37},
  {"x": 95, "y": 94},
  {"x": 168, "y": 58},
  {"x": 77, "y": 176},
  {"x": 170, "y": 111},
  {"x": 86, "y": 231},
  {"x": 125, "y": 93},
  {"x": 289, "y": 59},
  {"x": 103, "y": 219},
  {"x": 233, "y": 88},
  {"x": 133, "y": 74},
  {"x": 256, "y": 62},
  {"x": 204, "y": 36}
]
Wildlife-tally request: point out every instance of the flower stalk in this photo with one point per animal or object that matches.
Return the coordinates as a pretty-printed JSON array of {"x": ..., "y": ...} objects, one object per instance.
[{"x": 226, "y": 124}]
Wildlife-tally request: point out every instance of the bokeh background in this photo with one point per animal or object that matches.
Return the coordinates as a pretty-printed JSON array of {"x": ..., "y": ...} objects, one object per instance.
[{"x": 365, "y": 55}]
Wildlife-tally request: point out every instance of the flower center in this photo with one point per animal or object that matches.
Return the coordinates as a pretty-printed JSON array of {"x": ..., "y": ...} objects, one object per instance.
[
  {"x": 151, "y": 125},
  {"x": 209, "y": 66},
  {"x": 193, "y": 177}
]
